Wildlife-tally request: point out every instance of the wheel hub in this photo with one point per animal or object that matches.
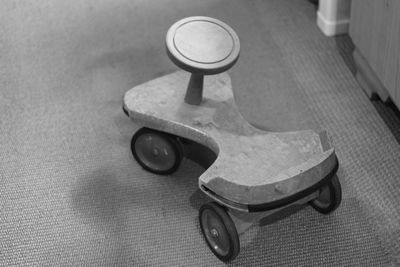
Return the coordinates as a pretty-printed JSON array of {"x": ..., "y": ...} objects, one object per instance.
[
  {"x": 214, "y": 233},
  {"x": 155, "y": 152}
]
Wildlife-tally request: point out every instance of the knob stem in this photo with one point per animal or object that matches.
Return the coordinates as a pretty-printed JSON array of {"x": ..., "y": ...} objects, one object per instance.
[{"x": 194, "y": 92}]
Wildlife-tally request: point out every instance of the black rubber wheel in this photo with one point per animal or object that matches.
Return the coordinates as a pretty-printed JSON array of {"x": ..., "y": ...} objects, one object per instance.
[
  {"x": 155, "y": 151},
  {"x": 329, "y": 197},
  {"x": 219, "y": 231}
]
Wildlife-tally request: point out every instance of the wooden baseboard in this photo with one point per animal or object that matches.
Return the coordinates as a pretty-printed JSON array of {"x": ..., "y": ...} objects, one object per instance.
[{"x": 367, "y": 78}]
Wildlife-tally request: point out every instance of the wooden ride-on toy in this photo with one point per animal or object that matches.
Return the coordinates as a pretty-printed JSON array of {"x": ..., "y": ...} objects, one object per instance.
[{"x": 249, "y": 173}]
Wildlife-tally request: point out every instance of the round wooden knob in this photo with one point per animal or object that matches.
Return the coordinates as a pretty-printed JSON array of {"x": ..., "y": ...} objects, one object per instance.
[{"x": 202, "y": 46}]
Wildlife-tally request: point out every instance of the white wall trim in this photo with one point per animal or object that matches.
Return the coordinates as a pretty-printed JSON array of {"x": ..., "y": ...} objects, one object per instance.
[
  {"x": 332, "y": 27},
  {"x": 333, "y": 16}
]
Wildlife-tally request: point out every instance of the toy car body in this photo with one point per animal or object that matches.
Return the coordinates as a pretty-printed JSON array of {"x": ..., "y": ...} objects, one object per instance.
[{"x": 249, "y": 172}]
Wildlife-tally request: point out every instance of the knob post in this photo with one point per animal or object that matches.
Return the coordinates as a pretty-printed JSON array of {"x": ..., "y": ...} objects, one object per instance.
[{"x": 194, "y": 92}]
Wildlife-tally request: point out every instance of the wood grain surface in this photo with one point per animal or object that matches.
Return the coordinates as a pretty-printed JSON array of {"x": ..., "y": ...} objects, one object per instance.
[{"x": 375, "y": 31}]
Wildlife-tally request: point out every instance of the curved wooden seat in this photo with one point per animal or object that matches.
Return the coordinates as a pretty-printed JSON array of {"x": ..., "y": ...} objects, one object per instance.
[{"x": 253, "y": 167}]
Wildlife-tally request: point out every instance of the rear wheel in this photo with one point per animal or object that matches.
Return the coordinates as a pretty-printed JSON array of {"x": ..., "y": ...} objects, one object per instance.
[
  {"x": 219, "y": 231},
  {"x": 329, "y": 198},
  {"x": 155, "y": 151}
]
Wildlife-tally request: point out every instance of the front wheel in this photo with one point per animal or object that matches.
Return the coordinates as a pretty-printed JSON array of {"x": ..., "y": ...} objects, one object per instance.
[
  {"x": 219, "y": 231},
  {"x": 155, "y": 151},
  {"x": 329, "y": 198}
]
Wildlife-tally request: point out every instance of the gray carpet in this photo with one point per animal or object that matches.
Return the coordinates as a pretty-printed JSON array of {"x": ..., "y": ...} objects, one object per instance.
[{"x": 71, "y": 193}]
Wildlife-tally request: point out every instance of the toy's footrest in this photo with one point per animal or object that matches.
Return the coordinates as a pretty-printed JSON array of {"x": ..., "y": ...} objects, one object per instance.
[
  {"x": 280, "y": 166},
  {"x": 275, "y": 204}
]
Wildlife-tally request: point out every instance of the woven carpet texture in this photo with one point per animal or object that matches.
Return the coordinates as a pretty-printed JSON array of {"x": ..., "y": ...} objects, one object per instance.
[{"x": 71, "y": 193}]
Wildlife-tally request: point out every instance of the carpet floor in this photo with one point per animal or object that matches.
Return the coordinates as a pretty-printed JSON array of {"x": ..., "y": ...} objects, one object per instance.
[{"x": 71, "y": 193}]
